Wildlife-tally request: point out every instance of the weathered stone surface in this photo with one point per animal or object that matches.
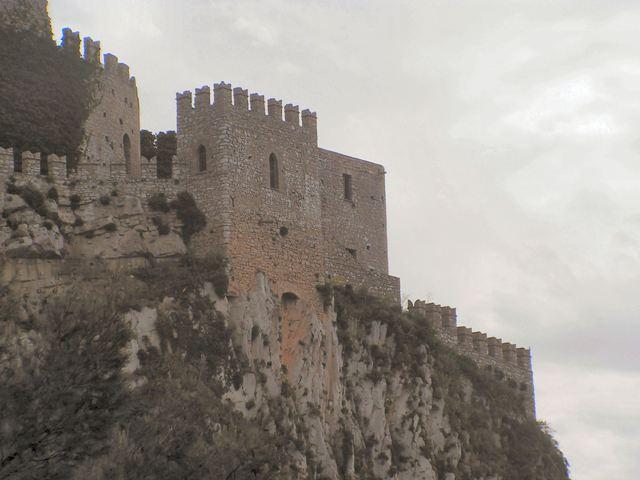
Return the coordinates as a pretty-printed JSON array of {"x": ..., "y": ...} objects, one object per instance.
[
  {"x": 13, "y": 203},
  {"x": 162, "y": 246}
]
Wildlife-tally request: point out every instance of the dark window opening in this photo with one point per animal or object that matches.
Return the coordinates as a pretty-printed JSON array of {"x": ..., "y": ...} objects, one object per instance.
[
  {"x": 348, "y": 187},
  {"x": 44, "y": 164},
  {"x": 289, "y": 299},
  {"x": 352, "y": 252},
  {"x": 17, "y": 160},
  {"x": 126, "y": 146},
  {"x": 202, "y": 158},
  {"x": 121, "y": 122},
  {"x": 284, "y": 231},
  {"x": 274, "y": 174}
]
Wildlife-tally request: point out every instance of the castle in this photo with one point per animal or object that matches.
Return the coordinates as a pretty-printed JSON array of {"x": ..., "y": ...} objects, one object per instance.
[{"x": 276, "y": 203}]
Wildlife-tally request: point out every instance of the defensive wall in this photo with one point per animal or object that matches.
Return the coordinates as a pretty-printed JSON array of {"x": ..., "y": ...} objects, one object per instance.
[
  {"x": 81, "y": 182},
  {"x": 506, "y": 360}
]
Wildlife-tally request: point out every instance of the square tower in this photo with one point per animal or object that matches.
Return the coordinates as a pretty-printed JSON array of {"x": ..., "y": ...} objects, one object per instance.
[{"x": 255, "y": 174}]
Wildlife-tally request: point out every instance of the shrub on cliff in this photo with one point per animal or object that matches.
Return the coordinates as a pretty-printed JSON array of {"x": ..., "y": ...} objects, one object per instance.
[
  {"x": 46, "y": 96},
  {"x": 486, "y": 414},
  {"x": 60, "y": 402},
  {"x": 68, "y": 414},
  {"x": 163, "y": 146},
  {"x": 186, "y": 277},
  {"x": 192, "y": 218}
]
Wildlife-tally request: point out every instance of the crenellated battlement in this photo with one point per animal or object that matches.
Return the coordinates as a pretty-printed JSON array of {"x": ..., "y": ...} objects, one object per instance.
[
  {"x": 15, "y": 162},
  {"x": 91, "y": 53},
  {"x": 238, "y": 99},
  {"x": 488, "y": 352}
]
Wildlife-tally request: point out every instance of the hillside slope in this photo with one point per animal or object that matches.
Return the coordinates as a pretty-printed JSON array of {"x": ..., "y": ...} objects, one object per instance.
[{"x": 157, "y": 374}]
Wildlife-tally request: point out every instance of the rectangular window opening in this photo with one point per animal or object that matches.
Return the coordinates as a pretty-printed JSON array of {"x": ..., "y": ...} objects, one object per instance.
[
  {"x": 353, "y": 252},
  {"x": 17, "y": 160},
  {"x": 348, "y": 187},
  {"x": 44, "y": 164}
]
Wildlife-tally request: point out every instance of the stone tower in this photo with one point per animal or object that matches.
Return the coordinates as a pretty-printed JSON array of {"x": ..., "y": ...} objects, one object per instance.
[
  {"x": 26, "y": 15},
  {"x": 112, "y": 131},
  {"x": 255, "y": 172}
]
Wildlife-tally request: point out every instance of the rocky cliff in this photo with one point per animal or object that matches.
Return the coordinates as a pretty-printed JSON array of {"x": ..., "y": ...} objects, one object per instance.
[{"x": 124, "y": 358}]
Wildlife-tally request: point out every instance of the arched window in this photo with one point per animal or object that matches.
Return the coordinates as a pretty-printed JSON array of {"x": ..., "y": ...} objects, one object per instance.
[
  {"x": 274, "y": 174},
  {"x": 126, "y": 145},
  {"x": 202, "y": 158}
]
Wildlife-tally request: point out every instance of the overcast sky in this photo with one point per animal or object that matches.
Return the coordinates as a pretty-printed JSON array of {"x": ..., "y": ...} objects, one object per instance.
[{"x": 510, "y": 131}]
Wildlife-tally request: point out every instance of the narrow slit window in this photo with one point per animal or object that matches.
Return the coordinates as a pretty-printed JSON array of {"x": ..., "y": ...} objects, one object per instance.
[
  {"x": 202, "y": 158},
  {"x": 17, "y": 160},
  {"x": 274, "y": 174},
  {"x": 126, "y": 146},
  {"x": 348, "y": 187},
  {"x": 44, "y": 164}
]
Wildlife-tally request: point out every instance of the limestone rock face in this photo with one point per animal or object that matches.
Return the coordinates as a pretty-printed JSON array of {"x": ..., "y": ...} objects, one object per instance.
[
  {"x": 326, "y": 397},
  {"x": 111, "y": 228}
]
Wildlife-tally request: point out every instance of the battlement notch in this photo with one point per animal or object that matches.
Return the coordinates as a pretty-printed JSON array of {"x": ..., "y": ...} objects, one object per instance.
[{"x": 33, "y": 164}]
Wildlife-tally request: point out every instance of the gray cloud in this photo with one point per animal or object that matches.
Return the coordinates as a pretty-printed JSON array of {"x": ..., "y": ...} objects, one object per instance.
[{"x": 510, "y": 133}]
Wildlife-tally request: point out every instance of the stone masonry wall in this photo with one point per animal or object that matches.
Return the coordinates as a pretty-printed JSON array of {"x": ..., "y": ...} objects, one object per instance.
[
  {"x": 115, "y": 118},
  {"x": 275, "y": 231},
  {"x": 504, "y": 359},
  {"x": 355, "y": 229},
  {"x": 26, "y": 15},
  {"x": 88, "y": 189}
]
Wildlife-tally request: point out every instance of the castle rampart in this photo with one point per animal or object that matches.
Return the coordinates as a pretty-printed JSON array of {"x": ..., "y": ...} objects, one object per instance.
[{"x": 504, "y": 359}]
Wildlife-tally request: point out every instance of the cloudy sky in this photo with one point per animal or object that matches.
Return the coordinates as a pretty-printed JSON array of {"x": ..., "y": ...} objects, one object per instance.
[{"x": 510, "y": 131}]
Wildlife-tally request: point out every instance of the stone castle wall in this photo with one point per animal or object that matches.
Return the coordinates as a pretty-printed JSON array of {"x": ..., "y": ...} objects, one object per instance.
[
  {"x": 26, "y": 15},
  {"x": 286, "y": 231},
  {"x": 112, "y": 131},
  {"x": 82, "y": 183},
  {"x": 271, "y": 230},
  {"x": 354, "y": 222},
  {"x": 504, "y": 359}
]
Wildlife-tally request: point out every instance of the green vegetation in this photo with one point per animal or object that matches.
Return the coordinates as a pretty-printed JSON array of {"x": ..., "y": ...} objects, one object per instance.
[
  {"x": 32, "y": 197},
  {"x": 59, "y": 407},
  {"x": 69, "y": 412},
  {"x": 163, "y": 146},
  {"x": 47, "y": 94},
  {"x": 192, "y": 218},
  {"x": 74, "y": 201},
  {"x": 185, "y": 277},
  {"x": 158, "y": 202}
]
